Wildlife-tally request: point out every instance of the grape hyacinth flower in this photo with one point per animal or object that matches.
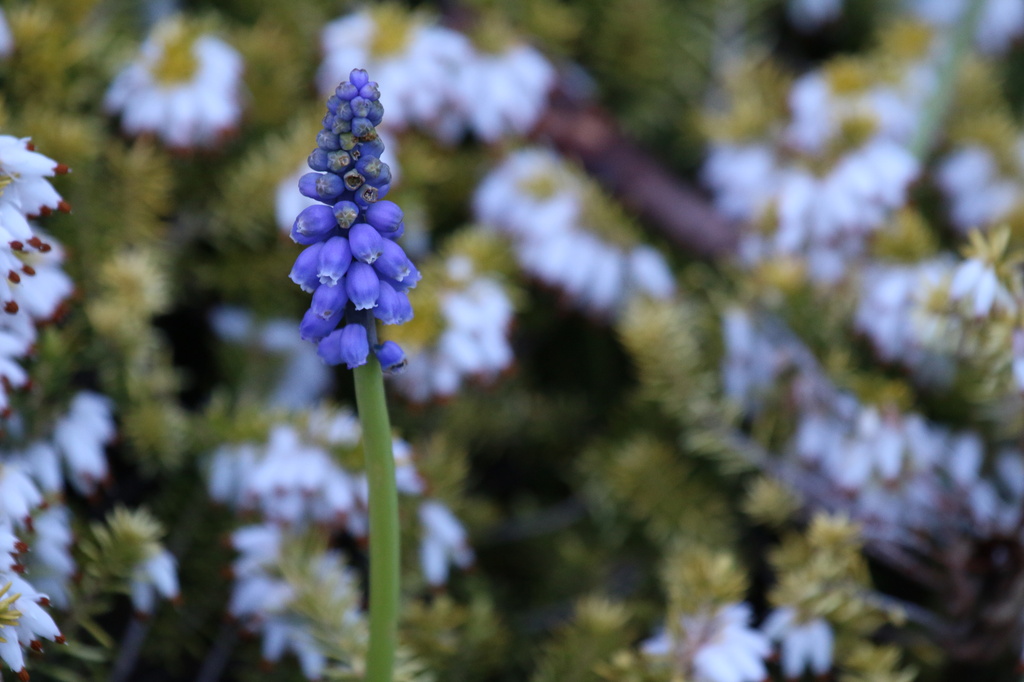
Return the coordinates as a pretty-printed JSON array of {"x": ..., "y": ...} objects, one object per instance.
[
  {"x": 358, "y": 274},
  {"x": 352, "y": 265}
]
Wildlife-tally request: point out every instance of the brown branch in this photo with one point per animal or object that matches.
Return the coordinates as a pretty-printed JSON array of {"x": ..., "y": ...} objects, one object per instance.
[{"x": 582, "y": 131}]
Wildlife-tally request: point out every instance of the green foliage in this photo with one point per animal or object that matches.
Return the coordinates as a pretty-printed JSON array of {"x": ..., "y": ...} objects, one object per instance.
[
  {"x": 651, "y": 482},
  {"x": 457, "y": 641},
  {"x": 578, "y": 651},
  {"x": 117, "y": 546}
]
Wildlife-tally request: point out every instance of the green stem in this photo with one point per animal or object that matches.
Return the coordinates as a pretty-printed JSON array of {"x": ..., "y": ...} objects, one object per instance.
[
  {"x": 384, "y": 547},
  {"x": 934, "y": 113}
]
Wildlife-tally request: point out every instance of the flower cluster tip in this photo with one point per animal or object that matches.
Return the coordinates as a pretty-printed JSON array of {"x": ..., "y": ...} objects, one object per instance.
[{"x": 352, "y": 264}]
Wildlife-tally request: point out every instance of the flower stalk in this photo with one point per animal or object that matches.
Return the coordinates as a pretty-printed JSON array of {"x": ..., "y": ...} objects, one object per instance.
[
  {"x": 935, "y": 111},
  {"x": 384, "y": 532}
]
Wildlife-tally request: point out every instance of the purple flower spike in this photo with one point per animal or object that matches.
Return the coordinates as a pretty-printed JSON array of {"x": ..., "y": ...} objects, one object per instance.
[
  {"x": 365, "y": 196},
  {"x": 392, "y": 306},
  {"x": 362, "y": 128},
  {"x": 327, "y": 301},
  {"x": 304, "y": 272},
  {"x": 366, "y": 242},
  {"x": 386, "y": 216},
  {"x": 362, "y": 285},
  {"x": 374, "y": 147},
  {"x": 376, "y": 113},
  {"x": 325, "y": 187},
  {"x": 348, "y": 344},
  {"x": 314, "y": 224},
  {"x": 333, "y": 261},
  {"x": 393, "y": 262},
  {"x": 313, "y": 327},
  {"x": 391, "y": 357},
  {"x": 328, "y": 141},
  {"x": 317, "y": 160},
  {"x": 383, "y": 179},
  {"x": 352, "y": 263},
  {"x": 346, "y": 91},
  {"x": 359, "y": 78},
  {"x": 346, "y": 213},
  {"x": 370, "y": 91}
]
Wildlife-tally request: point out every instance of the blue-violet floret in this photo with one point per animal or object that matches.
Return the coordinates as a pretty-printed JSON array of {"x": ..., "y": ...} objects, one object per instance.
[{"x": 351, "y": 264}]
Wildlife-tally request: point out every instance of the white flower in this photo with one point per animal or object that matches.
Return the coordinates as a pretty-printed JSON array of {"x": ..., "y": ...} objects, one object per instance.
[
  {"x": 154, "y": 575},
  {"x": 976, "y": 282},
  {"x": 504, "y": 93},
  {"x": 536, "y": 199},
  {"x": 280, "y": 635},
  {"x": 262, "y": 597},
  {"x": 33, "y": 624},
  {"x": 444, "y": 540},
  {"x": 19, "y": 495},
  {"x": 806, "y": 645},
  {"x": 42, "y": 285},
  {"x": 751, "y": 362},
  {"x": 743, "y": 178},
  {"x": 826, "y": 219},
  {"x": 302, "y": 380},
  {"x": 808, "y": 15},
  {"x": 819, "y": 111},
  {"x": 477, "y": 314},
  {"x": 185, "y": 88},
  {"x": 716, "y": 647},
  {"x": 24, "y": 190},
  {"x": 10, "y": 544},
  {"x": 81, "y": 436},
  {"x": 979, "y": 195},
  {"x": 893, "y": 301},
  {"x": 50, "y": 563},
  {"x": 6, "y": 37},
  {"x": 1017, "y": 363},
  {"x": 293, "y": 481},
  {"x": 257, "y": 545}
]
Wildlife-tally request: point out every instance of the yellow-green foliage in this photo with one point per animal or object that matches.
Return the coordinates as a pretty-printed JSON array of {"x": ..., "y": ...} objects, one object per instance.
[
  {"x": 462, "y": 642},
  {"x": 822, "y": 573},
  {"x": 242, "y": 215},
  {"x": 632, "y": 666},
  {"x": 699, "y": 579},
  {"x": 661, "y": 338},
  {"x": 278, "y": 78},
  {"x": 768, "y": 502},
  {"x": 158, "y": 432},
  {"x": 132, "y": 287},
  {"x": 117, "y": 546},
  {"x": 57, "y": 57},
  {"x": 651, "y": 482},
  {"x": 225, "y": 422},
  {"x": 906, "y": 239},
  {"x": 873, "y": 663},
  {"x": 323, "y": 596},
  {"x": 136, "y": 181},
  {"x": 580, "y": 649},
  {"x": 755, "y": 90}
]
